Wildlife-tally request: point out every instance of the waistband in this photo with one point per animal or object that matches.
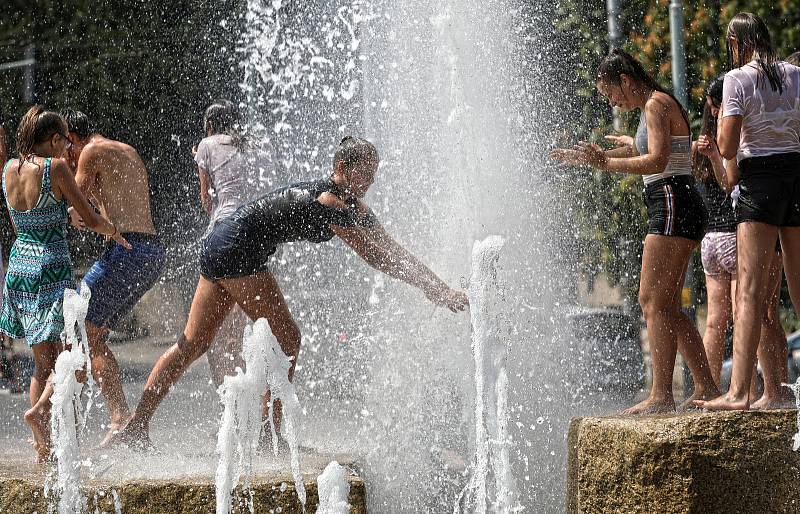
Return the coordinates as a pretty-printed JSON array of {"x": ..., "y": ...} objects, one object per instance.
[
  {"x": 672, "y": 180},
  {"x": 778, "y": 160},
  {"x": 141, "y": 237}
]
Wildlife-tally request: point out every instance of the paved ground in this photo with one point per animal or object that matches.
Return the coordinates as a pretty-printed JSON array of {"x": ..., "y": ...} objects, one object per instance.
[{"x": 184, "y": 429}]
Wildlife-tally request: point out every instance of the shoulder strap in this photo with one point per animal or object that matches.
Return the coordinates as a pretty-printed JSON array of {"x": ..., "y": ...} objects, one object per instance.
[
  {"x": 5, "y": 168},
  {"x": 46, "y": 177}
]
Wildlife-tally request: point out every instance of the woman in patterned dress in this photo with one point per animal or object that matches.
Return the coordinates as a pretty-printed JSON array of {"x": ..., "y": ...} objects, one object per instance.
[{"x": 38, "y": 187}]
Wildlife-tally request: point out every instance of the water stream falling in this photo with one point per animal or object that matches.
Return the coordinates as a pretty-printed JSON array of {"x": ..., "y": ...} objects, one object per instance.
[
  {"x": 490, "y": 329},
  {"x": 333, "y": 490},
  {"x": 67, "y": 412},
  {"x": 240, "y": 426}
]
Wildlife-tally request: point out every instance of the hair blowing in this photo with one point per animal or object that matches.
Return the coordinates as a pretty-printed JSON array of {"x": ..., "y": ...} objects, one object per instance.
[
  {"x": 752, "y": 36},
  {"x": 353, "y": 150},
  {"x": 619, "y": 62},
  {"x": 36, "y": 127}
]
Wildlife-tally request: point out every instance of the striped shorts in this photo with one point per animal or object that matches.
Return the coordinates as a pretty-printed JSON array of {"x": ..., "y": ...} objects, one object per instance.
[
  {"x": 718, "y": 253},
  {"x": 675, "y": 208}
]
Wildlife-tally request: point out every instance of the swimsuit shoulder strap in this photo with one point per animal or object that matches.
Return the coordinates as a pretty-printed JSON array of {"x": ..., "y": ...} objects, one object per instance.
[{"x": 46, "y": 187}]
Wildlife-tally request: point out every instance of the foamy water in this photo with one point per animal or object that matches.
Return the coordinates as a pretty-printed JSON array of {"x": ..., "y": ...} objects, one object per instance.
[
  {"x": 796, "y": 390},
  {"x": 333, "y": 490}
]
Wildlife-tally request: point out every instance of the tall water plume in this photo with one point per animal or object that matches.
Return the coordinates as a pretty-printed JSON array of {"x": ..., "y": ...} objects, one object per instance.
[{"x": 449, "y": 93}]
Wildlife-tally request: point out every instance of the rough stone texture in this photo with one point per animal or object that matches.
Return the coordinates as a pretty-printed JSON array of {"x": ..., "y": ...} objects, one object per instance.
[
  {"x": 728, "y": 462},
  {"x": 25, "y": 494}
]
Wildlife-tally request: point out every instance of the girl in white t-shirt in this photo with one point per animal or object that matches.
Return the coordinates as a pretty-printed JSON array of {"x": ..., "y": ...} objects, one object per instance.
[
  {"x": 232, "y": 172},
  {"x": 760, "y": 126}
]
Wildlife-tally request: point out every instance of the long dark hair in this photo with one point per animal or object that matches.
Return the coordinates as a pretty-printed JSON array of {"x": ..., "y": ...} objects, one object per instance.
[
  {"x": 37, "y": 126},
  {"x": 794, "y": 59},
  {"x": 701, "y": 165},
  {"x": 752, "y": 35},
  {"x": 619, "y": 62},
  {"x": 223, "y": 115}
]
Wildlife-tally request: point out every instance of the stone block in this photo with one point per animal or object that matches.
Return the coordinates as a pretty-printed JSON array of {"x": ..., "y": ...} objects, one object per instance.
[{"x": 721, "y": 462}]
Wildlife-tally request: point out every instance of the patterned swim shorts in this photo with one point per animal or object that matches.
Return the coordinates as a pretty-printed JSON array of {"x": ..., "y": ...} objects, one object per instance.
[{"x": 718, "y": 253}]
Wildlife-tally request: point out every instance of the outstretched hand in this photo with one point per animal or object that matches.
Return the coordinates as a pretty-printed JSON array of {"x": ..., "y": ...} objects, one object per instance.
[
  {"x": 121, "y": 241},
  {"x": 707, "y": 146},
  {"x": 446, "y": 297},
  {"x": 581, "y": 154}
]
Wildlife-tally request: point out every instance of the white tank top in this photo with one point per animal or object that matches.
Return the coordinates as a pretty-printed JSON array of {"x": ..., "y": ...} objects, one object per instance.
[{"x": 680, "y": 158}]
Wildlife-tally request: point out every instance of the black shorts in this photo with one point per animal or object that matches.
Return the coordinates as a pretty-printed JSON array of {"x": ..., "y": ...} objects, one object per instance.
[
  {"x": 229, "y": 251},
  {"x": 769, "y": 190},
  {"x": 675, "y": 208}
]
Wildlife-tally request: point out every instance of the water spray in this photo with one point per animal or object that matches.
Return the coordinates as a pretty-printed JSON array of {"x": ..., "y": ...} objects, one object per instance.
[{"x": 796, "y": 390}]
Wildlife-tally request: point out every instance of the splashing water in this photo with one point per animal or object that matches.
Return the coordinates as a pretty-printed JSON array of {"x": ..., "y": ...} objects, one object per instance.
[
  {"x": 66, "y": 411},
  {"x": 277, "y": 365},
  {"x": 796, "y": 390},
  {"x": 333, "y": 490},
  {"x": 492, "y": 439},
  {"x": 240, "y": 426}
]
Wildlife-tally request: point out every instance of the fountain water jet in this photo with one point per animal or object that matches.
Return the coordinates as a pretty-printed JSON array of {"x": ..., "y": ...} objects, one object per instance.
[
  {"x": 66, "y": 411},
  {"x": 333, "y": 489}
]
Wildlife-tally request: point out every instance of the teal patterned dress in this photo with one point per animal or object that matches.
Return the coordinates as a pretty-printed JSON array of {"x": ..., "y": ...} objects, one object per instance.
[{"x": 39, "y": 269}]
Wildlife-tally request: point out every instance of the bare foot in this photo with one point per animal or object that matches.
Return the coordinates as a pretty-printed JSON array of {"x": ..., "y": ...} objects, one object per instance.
[
  {"x": 650, "y": 406},
  {"x": 134, "y": 436},
  {"x": 113, "y": 429},
  {"x": 769, "y": 403},
  {"x": 725, "y": 402},
  {"x": 689, "y": 404},
  {"x": 41, "y": 433}
]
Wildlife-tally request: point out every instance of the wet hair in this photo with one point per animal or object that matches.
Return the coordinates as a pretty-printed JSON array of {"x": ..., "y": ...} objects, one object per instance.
[
  {"x": 77, "y": 122},
  {"x": 702, "y": 169},
  {"x": 223, "y": 115},
  {"x": 714, "y": 90},
  {"x": 752, "y": 35},
  {"x": 794, "y": 59},
  {"x": 36, "y": 127},
  {"x": 619, "y": 62},
  {"x": 353, "y": 150}
]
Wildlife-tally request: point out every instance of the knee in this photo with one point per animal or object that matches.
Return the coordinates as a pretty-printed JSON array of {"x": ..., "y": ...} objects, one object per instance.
[
  {"x": 189, "y": 350},
  {"x": 651, "y": 305}
]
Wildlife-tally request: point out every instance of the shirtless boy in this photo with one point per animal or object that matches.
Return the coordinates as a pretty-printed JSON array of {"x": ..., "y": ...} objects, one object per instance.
[{"x": 112, "y": 175}]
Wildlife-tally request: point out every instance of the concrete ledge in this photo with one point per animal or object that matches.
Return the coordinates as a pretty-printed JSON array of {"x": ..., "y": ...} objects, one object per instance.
[
  {"x": 699, "y": 463},
  {"x": 273, "y": 494}
]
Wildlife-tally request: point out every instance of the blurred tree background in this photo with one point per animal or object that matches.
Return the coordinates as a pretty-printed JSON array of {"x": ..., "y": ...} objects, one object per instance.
[
  {"x": 143, "y": 72},
  {"x": 612, "y": 219}
]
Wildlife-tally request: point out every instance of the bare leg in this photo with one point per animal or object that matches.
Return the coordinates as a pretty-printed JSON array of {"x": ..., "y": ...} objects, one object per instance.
[
  {"x": 260, "y": 296},
  {"x": 663, "y": 266},
  {"x": 105, "y": 371},
  {"x": 755, "y": 246},
  {"x": 38, "y": 416},
  {"x": 225, "y": 353},
  {"x": 719, "y": 315},
  {"x": 210, "y": 305}
]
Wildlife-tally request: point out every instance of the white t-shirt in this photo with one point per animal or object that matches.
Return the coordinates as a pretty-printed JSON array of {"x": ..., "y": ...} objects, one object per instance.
[
  {"x": 237, "y": 176},
  {"x": 771, "y": 121}
]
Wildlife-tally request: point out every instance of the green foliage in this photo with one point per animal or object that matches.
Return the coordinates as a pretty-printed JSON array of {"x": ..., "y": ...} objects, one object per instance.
[{"x": 612, "y": 222}]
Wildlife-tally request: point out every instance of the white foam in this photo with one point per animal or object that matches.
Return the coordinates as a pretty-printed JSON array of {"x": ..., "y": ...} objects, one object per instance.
[
  {"x": 333, "y": 490},
  {"x": 66, "y": 410},
  {"x": 240, "y": 427},
  {"x": 492, "y": 439}
]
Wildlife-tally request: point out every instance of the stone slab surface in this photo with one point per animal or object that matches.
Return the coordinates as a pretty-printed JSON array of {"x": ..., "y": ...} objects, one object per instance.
[
  {"x": 22, "y": 492},
  {"x": 723, "y": 462}
]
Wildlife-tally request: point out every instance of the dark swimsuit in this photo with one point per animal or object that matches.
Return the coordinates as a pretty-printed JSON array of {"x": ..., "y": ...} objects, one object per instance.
[{"x": 241, "y": 244}]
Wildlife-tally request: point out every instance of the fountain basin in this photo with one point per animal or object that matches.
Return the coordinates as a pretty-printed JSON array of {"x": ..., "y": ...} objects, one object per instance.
[
  {"x": 699, "y": 462},
  {"x": 21, "y": 491}
]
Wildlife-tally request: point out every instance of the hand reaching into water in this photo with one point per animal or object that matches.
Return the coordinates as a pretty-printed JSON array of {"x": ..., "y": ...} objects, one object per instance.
[
  {"x": 582, "y": 154},
  {"x": 446, "y": 297}
]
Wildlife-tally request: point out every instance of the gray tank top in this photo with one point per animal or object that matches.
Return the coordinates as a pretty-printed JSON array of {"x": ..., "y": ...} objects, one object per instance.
[{"x": 680, "y": 158}]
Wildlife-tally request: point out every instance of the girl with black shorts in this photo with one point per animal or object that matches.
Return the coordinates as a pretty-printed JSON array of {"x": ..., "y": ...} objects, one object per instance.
[
  {"x": 234, "y": 266},
  {"x": 661, "y": 153},
  {"x": 759, "y": 126}
]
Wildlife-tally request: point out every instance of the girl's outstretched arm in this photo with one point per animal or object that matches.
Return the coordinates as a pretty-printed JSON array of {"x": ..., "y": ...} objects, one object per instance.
[{"x": 383, "y": 253}]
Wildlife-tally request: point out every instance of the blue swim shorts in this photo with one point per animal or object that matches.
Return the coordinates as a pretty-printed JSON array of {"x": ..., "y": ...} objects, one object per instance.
[{"x": 121, "y": 277}]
